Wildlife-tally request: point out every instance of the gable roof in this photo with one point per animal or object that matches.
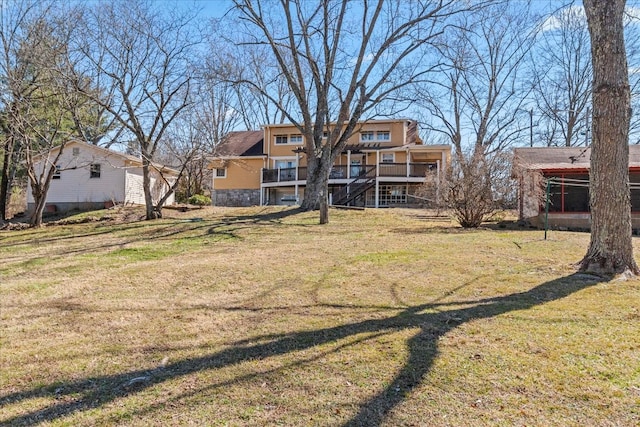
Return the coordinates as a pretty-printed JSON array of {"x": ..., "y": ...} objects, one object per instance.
[
  {"x": 241, "y": 143},
  {"x": 553, "y": 158},
  {"x": 109, "y": 153}
]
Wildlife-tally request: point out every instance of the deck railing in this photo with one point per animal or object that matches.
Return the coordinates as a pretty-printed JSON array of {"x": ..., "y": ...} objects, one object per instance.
[
  {"x": 283, "y": 174},
  {"x": 400, "y": 169},
  {"x": 418, "y": 170}
]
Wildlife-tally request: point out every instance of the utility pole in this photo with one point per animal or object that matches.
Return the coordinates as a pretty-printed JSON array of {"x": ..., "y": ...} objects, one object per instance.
[{"x": 531, "y": 127}]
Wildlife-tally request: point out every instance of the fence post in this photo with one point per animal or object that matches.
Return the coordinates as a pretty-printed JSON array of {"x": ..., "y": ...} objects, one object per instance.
[{"x": 546, "y": 208}]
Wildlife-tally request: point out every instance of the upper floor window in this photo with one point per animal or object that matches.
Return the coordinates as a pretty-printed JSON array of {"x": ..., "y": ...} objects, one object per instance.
[
  {"x": 289, "y": 139},
  {"x": 371, "y": 136},
  {"x": 221, "y": 172},
  {"x": 56, "y": 174},
  {"x": 94, "y": 170},
  {"x": 366, "y": 136},
  {"x": 383, "y": 135}
]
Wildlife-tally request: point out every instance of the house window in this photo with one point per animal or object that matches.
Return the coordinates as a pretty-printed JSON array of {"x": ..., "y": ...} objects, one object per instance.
[
  {"x": 221, "y": 172},
  {"x": 287, "y": 169},
  {"x": 325, "y": 135},
  {"x": 384, "y": 135},
  {"x": 284, "y": 164},
  {"x": 282, "y": 139},
  {"x": 388, "y": 157},
  {"x": 392, "y": 195},
  {"x": 76, "y": 151},
  {"x": 56, "y": 174},
  {"x": 94, "y": 170},
  {"x": 366, "y": 136},
  {"x": 295, "y": 139}
]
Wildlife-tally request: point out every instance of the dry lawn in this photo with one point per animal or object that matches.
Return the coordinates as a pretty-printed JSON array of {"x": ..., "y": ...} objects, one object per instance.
[{"x": 236, "y": 317}]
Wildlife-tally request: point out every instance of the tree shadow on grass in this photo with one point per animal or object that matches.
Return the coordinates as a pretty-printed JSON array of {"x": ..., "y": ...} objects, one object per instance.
[
  {"x": 91, "y": 393},
  {"x": 226, "y": 228},
  {"x": 266, "y": 215}
]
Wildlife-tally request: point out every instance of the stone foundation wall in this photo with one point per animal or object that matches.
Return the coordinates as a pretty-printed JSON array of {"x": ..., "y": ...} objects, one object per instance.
[{"x": 235, "y": 198}]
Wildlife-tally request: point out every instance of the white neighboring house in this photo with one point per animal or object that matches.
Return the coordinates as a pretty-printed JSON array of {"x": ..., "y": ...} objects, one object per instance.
[{"x": 91, "y": 177}]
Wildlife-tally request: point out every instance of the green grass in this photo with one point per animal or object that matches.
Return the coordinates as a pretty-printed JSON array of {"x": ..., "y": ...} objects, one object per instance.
[{"x": 259, "y": 316}]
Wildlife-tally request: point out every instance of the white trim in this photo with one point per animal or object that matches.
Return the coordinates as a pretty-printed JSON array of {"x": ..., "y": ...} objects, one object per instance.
[
  {"x": 368, "y": 132},
  {"x": 215, "y": 173},
  {"x": 281, "y": 135},
  {"x": 378, "y": 139},
  {"x": 288, "y": 136}
]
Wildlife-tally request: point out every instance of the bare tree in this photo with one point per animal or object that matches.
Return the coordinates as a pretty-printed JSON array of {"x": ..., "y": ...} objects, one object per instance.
[
  {"x": 561, "y": 78},
  {"x": 562, "y": 75},
  {"x": 16, "y": 83},
  {"x": 258, "y": 109},
  {"x": 610, "y": 249},
  {"x": 341, "y": 60},
  {"x": 217, "y": 110},
  {"x": 632, "y": 44},
  {"x": 40, "y": 101},
  {"x": 234, "y": 63},
  {"x": 476, "y": 101},
  {"x": 142, "y": 56}
]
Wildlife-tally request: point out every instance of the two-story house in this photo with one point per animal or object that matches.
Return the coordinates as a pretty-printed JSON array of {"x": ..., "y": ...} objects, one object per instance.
[{"x": 383, "y": 164}]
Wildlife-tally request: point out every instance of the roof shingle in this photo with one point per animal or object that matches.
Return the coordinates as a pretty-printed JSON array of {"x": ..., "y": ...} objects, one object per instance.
[
  {"x": 241, "y": 143},
  {"x": 545, "y": 158}
]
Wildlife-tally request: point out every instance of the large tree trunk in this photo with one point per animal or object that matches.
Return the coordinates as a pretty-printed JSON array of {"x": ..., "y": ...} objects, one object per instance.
[
  {"x": 4, "y": 184},
  {"x": 40, "y": 183},
  {"x": 610, "y": 250},
  {"x": 316, "y": 191},
  {"x": 40, "y": 201},
  {"x": 39, "y": 192},
  {"x": 151, "y": 211}
]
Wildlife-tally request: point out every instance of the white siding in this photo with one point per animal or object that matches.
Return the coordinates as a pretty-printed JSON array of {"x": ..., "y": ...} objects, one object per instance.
[
  {"x": 119, "y": 181},
  {"x": 75, "y": 184},
  {"x": 133, "y": 187}
]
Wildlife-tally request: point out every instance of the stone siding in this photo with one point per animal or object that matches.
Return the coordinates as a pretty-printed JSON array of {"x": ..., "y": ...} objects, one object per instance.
[{"x": 238, "y": 198}]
